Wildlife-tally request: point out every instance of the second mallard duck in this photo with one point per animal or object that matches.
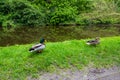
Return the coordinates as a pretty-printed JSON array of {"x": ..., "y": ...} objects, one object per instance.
[{"x": 94, "y": 41}]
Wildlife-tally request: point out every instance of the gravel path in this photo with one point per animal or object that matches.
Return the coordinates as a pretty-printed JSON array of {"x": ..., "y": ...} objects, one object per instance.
[{"x": 86, "y": 74}]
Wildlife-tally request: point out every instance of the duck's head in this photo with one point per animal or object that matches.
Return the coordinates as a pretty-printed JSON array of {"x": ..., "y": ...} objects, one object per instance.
[
  {"x": 97, "y": 38},
  {"x": 42, "y": 40}
]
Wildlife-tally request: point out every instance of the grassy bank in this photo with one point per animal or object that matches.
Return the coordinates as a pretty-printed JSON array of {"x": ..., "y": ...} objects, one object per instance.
[{"x": 16, "y": 62}]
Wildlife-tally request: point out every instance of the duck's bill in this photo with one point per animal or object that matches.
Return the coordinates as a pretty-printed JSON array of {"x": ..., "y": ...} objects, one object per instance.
[{"x": 45, "y": 41}]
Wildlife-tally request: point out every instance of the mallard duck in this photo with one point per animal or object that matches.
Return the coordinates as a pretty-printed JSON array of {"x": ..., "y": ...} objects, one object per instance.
[
  {"x": 38, "y": 47},
  {"x": 93, "y": 42}
]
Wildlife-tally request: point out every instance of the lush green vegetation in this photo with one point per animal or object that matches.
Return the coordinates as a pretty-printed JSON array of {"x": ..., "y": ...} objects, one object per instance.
[
  {"x": 17, "y": 63},
  {"x": 54, "y": 12}
]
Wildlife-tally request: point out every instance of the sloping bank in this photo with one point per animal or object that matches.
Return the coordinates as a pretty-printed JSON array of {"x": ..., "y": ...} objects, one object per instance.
[{"x": 17, "y": 63}]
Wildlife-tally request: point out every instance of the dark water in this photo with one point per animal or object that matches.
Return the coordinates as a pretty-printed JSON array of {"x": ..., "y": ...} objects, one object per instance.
[{"x": 26, "y": 35}]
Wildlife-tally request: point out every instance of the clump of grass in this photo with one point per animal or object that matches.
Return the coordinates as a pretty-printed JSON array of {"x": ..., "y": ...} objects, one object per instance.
[{"x": 17, "y": 63}]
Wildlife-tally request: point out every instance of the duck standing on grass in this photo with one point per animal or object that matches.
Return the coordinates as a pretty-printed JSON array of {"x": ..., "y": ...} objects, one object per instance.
[
  {"x": 93, "y": 42},
  {"x": 38, "y": 47}
]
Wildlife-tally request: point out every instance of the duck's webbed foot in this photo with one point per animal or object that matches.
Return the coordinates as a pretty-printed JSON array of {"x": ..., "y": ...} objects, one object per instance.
[{"x": 40, "y": 51}]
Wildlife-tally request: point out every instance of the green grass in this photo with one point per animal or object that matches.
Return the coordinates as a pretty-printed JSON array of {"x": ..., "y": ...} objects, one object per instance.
[{"x": 17, "y": 63}]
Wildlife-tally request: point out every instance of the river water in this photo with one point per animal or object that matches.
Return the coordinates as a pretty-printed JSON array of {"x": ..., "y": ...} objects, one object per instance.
[{"x": 27, "y": 35}]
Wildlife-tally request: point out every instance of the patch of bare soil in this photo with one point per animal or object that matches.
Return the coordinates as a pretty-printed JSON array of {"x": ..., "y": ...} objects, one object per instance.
[{"x": 86, "y": 74}]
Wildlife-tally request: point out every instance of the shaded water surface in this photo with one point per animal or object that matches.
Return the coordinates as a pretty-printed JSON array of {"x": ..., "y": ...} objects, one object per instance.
[{"x": 26, "y": 35}]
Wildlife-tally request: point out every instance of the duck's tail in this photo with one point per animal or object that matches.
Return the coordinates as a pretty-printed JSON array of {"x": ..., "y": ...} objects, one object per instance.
[{"x": 31, "y": 49}]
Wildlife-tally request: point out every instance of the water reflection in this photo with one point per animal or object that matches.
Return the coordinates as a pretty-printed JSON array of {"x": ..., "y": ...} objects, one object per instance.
[{"x": 26, "y": 35}]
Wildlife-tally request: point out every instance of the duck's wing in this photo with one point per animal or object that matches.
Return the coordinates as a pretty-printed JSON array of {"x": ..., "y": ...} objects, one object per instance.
[
  {"x": 90, "y": 41},
  {"x": 36, "y": 46},
  {"x": 40, "y": 48}
]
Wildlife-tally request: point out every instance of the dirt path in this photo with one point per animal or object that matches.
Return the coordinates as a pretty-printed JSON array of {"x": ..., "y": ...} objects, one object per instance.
[{"x": 86, "y": 74}]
